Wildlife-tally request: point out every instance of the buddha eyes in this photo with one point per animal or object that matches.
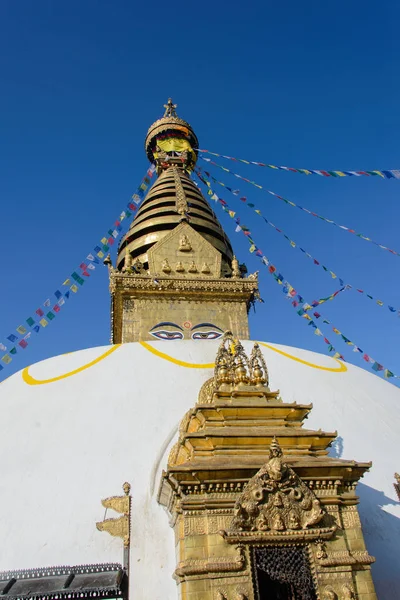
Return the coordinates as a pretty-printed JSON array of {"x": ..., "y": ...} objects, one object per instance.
[
  {"x": 206, "y": 335},
  {"x": 162, "y": 334}
]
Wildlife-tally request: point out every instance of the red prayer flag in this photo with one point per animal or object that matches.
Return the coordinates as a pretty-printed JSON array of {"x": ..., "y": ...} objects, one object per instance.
[
  {"x": 23, "y": 344},
  {"x": 56, "y": 308},
  {"x": 272, "y": 269},
  {"x": 39, "y": 312}
]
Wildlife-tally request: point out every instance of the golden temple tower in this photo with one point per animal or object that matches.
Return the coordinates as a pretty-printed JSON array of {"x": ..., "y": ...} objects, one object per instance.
[{"x": 176, "y": 276}]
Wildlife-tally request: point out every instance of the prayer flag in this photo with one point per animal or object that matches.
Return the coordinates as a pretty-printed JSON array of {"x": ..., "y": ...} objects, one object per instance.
[
  {"x": 252, "y": 248},
  {"x": 61, "y": 302},
  {"x": 12, "y": 337},
  {"x": 1, "y": 367},
  {"x": 67, "y": 282},
  {"x": 36, "y": 328},
  {"x": 56, "y": 308},
  {"x": 43, "y": 322},
  {"x": 387, "y": 374},
  {"x": 23, "y": 344},
  {"x": 6, "y": 359},
  {"x": 13, "y": 350},
  {"x": 3, "y": 347},
  {"x": 67, "y": 294},
  {"x": 58, "y": 294},
  {"x": 46, "y": 302},
  {"x": 91, "y": 267},
  {"x": 74, "y": 288},
  {"x": 21, "y": 329},
  {"x": 50, "y": 315}
]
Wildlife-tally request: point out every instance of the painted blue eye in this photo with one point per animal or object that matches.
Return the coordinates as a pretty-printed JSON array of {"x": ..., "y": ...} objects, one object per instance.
[
  {"x": 206, "y": 335},
  {"x": 162, "y": 334}
]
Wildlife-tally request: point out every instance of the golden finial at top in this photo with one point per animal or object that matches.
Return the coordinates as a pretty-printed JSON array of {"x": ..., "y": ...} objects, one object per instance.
[{"x": 170, "y": 108}]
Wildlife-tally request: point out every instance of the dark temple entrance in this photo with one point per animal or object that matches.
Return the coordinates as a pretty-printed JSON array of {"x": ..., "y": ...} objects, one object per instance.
[{"x": 282, "y": 574}]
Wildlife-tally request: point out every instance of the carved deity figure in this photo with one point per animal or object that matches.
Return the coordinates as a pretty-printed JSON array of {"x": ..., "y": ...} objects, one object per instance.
[
  {"x": 192, "y": 267},
  {"x": 205, "y": 269},
  {"x": 184, "y": 244},
  {"x": 278, "y": 523},
  {"x": 275, "y": 467},
  {"x": 166, "y": 266},
  {"x": 179, "y": 268}
]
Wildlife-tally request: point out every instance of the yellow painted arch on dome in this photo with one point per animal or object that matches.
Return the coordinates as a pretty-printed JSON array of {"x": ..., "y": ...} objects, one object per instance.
[
  {"x": 341, "y": 369},
  {"x": 176, "y": 361},
  {"x": 33, "y": 381}
]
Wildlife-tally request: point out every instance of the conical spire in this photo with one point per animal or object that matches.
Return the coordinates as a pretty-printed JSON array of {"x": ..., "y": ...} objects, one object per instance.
[{"x": 171, "y": 145}]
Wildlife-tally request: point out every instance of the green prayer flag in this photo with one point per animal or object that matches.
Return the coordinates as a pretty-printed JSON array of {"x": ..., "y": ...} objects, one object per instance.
[
  {"x": 13, "y": 350},
  {"x": 50, "y": 315},
  {"x": 30, "y": 321}
]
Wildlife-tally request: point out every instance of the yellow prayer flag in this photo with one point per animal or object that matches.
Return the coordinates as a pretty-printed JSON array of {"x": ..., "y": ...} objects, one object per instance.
[
  {"x": 378, "y": 302},
  {"x": 99, "y": 254},
  {"x": 334, "y": 276},
  {"x": 336, "y": 355},
  {"x": 340, "y": 173},
  {"x": 292, "y": 244},
  {"x": 336, "y": 330},
  {"x": 252, "y": 248},
  {"x": 74, "y": 288},
  {"x": 43, "y": 322},
  {"x": 231, "y": 213},
  {"x": 103, "y": 240},
  {"x": 67, "y": 282},
  {"x": 6, "y": 359}
]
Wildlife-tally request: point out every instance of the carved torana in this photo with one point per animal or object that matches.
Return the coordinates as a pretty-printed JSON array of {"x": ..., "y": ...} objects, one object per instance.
[{"x": 254, "y": 497}]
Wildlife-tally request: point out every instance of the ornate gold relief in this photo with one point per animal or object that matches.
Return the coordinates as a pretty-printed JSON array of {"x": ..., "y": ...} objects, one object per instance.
[
  {"x": 276, "y": 501},
  {"x": 118, "y": 527},
  {"x": 184, "y": 244}
]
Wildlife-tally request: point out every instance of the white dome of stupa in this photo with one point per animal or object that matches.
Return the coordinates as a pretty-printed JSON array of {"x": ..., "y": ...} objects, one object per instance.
[{"x": 76, "y": 426}]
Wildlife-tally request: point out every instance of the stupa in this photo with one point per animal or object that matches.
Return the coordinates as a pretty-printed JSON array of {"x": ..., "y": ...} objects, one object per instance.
[{"x": 175, "y": 462}]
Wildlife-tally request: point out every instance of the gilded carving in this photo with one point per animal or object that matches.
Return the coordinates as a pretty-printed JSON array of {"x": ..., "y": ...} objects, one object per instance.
[
  {"x": 205, "y": 269},
  {"x": 166, "y": 267},
  {"x": 184, "y": 244},
  {"x": 118, "y": 527},
  {"x": 350, "y": 517},
  {"x": 329, "y": 594},
  {"x": 276, "y": 499},
  {"x": 192, "y": 267}
]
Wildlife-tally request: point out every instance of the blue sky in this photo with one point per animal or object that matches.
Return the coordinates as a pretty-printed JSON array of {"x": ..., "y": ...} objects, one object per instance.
[{"x": 308, "y": 85}]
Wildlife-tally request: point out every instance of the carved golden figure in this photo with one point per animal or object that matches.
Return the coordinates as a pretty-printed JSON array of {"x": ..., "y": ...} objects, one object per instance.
[{"x": 184, "y": 244}]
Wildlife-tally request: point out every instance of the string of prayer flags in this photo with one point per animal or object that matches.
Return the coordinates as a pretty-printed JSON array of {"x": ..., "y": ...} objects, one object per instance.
[
  {"x": 294, "y": 244},
  {"x": 87, "y": 266},
  {"x": 386, "y": 174},
  {"x": 291, "y": 293},
  {"x": 290, "y": 203}
]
